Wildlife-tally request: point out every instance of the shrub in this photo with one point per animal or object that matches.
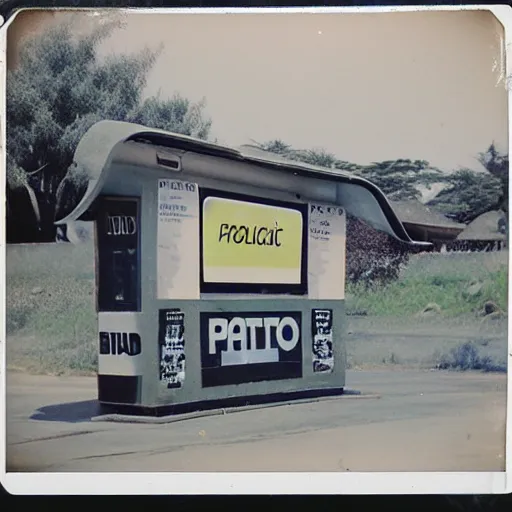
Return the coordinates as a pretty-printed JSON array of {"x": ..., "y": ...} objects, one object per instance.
[
  {"x": 467, "y": 357},
  {"x": 372, "y": 257}
]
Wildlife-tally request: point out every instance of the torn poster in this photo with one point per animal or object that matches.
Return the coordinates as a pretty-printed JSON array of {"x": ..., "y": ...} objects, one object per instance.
[
  {"x": 178, "y": 240},
  {"x": 326, "y": 247},
  {"x": 172, "y": 347},
  {"x": 322, "y": 335}
]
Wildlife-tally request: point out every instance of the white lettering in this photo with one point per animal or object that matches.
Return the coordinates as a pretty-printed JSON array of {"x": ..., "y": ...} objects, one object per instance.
[
  {"x": 287, "y": 345},
  {"x": 269, "y": 323},
  {"x": 121, "y": 225},
  {"x": 237, "y": 331},
  {"x": 252, "y": 323},
  {"x": 240, "y": 335},
  {"x": 214, "y": 335}
]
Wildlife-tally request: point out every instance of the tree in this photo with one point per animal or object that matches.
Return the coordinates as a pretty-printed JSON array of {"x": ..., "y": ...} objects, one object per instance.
[
  {"x": 468, "y": 195},
  {"x": 57, "y": 92},
  {"x": 319, "y": 157},
  {"x": 496, "y": 164}
]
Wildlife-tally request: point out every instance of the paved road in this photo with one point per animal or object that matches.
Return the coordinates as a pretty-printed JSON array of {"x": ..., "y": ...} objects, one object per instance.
[{"x": 423, "y": 421}]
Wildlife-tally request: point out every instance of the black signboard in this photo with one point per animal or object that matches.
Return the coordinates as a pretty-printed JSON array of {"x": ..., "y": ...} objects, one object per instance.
[
  {"x": 250, "y": 347},
  {"x": 118, "y": 231}
]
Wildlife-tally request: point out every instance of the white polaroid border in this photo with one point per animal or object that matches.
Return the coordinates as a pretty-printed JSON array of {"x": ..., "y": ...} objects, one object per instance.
[{"x": 249, "y": 483}]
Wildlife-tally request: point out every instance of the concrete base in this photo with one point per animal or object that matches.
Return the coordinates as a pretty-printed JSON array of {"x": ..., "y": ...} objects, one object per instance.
[{"x": 180, "y": 412}]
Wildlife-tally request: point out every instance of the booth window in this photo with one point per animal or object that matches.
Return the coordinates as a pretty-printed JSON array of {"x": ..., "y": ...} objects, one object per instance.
[{"x": 118, "y": 229}]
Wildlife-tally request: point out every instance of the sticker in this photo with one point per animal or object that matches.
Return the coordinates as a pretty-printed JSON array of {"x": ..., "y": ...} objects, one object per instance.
[
  {"x": 172, "y": 347},
  {"x": 250, "y": 347},
  {"x": 326, "y": 262},
  {"x": 178, "y": 240},
  {"x": 321, "y": 323}
]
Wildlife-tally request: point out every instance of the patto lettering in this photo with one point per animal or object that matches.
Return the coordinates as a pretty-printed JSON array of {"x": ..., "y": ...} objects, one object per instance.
[{"x": 240, "y": 333}]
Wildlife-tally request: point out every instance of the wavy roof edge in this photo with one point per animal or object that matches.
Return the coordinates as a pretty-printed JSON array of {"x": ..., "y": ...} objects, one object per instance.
[
  {"x": 246, "y": 152},
  {"x": 95, "y": 147}
]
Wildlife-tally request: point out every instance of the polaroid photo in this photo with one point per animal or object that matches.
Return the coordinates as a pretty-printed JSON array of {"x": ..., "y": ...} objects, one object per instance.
[{"x": 248, "y": 244}]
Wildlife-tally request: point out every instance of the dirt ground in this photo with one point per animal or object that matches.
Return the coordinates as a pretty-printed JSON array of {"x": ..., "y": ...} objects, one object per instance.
[{"x": 420, "y": 421}]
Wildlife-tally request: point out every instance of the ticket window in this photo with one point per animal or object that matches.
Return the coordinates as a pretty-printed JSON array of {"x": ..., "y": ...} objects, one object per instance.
[{"x": 118, "y": 231}]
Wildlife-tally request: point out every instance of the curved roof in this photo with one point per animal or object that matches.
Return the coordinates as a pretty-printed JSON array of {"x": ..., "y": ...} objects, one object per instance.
[
  {"x": 95, "y": 150},
  {"x": 484, "y": 227},
  {"x": 415, "y": 212}
]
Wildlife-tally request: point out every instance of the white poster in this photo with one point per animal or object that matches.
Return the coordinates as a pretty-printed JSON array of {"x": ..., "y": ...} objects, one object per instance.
[
  {"x": 178, "y": 240},
  {"x": 321, "y": 325},
  {"x": 326, "y": 252}
]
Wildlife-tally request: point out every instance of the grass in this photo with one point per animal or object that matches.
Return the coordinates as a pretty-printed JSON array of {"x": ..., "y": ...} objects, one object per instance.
[
  {"x": 441, "y": 279},
  {"x": 395, "y": 331},
  {"x": 51, "y": 319}
]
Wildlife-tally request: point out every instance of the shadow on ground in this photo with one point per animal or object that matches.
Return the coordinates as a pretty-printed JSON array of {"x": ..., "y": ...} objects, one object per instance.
[{"x": 72, "y": 412}]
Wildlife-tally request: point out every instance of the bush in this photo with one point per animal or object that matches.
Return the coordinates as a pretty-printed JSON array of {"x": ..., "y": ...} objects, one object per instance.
[
  {"x": 467, "y": 357},
  {"x": 373, "y": 258}
]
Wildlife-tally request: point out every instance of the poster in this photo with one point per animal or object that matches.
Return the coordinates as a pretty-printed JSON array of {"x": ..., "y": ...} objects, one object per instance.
[
  {"x": 321, "y": 323},
  {"x": 250, "y": 347},
  {"x": 251, "y": 242},
  {"x": 326, "y": 247},
  {"x": 172, "y": 347},
  {"x": 178, "y": 240}
]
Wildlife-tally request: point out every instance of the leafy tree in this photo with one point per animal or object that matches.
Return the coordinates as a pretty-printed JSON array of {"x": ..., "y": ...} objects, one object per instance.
[
  {"x": 276, "y": 146},
  {"x": 496, "y": 164},
  {"x": 57, "y": 92},
  {"x": 468, "y": 195}
]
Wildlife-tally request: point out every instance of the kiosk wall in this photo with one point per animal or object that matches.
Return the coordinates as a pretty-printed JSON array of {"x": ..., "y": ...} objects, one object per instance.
[{"x": 228, "y": 288}]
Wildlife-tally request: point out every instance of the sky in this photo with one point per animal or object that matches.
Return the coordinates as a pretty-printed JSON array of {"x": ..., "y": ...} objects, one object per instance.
[{"x": 365, "y": 87}]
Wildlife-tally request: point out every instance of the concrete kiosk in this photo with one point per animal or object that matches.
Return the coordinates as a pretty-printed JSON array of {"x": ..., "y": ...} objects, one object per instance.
[{"x": 220, "y": 271}]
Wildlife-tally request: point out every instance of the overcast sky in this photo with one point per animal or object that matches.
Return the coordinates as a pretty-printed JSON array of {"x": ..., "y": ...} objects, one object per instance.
[{"x": 366, "y": 87}]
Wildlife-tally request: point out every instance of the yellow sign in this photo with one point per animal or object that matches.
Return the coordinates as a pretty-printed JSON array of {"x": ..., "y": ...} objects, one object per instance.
[{"x": 246, "y": 242}]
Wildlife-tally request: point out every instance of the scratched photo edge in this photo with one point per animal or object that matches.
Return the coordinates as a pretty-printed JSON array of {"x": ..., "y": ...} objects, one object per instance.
[{"x": 51, "y": 480}]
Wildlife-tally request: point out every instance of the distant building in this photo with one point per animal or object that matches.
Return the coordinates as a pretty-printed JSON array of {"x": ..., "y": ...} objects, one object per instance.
[
  {"x": 487, "y": 232},
  {"x": 425, "y": 224}
]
